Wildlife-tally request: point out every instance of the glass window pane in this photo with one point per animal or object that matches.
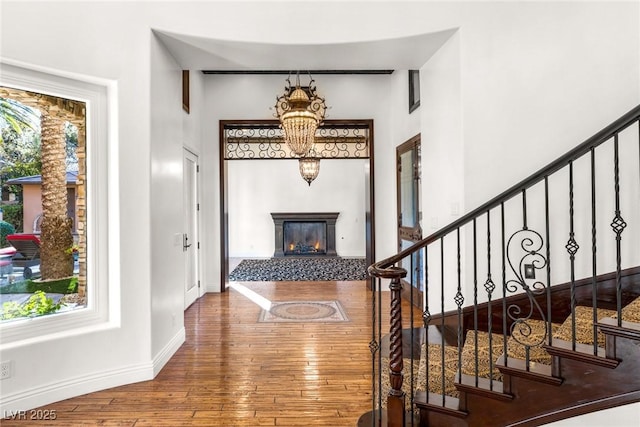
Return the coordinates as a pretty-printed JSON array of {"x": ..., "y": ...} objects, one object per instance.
[
  {"x": 407, "y": 190},
  {"x": 414, "y": 266}
]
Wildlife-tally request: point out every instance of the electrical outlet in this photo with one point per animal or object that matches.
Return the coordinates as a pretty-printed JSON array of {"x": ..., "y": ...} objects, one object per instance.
[{"x": 5, "y": 370}]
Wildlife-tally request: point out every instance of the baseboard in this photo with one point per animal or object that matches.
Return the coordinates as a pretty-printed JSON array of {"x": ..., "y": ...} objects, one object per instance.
[
  {"x": 72, "y": 387},
  {"x": 61, "y": 390},
  {"x": 168, "y": 351},
  {"x": 211, "y": 288}
]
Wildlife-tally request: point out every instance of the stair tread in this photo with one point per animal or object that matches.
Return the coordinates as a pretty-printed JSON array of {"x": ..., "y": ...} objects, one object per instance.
[{"x": 584, "y": 325}]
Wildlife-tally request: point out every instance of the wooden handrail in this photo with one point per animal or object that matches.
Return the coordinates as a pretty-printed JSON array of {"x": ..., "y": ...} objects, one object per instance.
[{"x": 378, "y": 269}]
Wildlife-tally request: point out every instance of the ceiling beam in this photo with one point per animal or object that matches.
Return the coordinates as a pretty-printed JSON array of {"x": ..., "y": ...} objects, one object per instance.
[{"x": 313, "y": 72}]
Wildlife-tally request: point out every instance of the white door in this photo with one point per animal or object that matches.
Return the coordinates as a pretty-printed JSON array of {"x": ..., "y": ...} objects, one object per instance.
[{"x": 190, "y": 240}]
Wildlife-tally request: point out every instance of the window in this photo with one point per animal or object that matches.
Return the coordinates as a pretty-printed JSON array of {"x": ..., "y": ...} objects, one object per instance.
[
  {"x": 414, "y": 90},
  {"x": 43, "y": 241},
  {"x": 60, "y": 124}
]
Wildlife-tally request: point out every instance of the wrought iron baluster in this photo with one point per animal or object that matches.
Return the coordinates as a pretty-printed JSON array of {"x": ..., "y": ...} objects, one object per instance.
[
  {"x": 572, "y": 247},
  {"x": 524, "y": 209},
  {"x": 504, "y": 288},
  {"x": 442, "y": 384},
  {"x": 374, "y": 347},
  {"x": 594, "y": 259},
  {"x": 524, "y": 257},
  {"x": 426, "y": 318},
  {"x": 380, "y": 343},
  {"x": 475, "y": 301},
  {"x": 411, "y": 329},
  {"x": 618, "y": 224},
  {"x": 548, "y": 253},
  {"x": 459, "y": 300},
  {"x": 489, "y": 287},
  {"x": 380, "y": 367}
]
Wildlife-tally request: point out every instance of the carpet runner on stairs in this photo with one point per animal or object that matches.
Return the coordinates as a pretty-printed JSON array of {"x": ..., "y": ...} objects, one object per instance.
[{"x": 532, "y": 335}]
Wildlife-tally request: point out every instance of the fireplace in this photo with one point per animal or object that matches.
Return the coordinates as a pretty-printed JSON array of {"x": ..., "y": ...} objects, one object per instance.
[{"x": 305, "y": 233}]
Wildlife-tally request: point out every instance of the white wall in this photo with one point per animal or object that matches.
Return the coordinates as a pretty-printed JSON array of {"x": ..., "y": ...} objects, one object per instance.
[
  {"x": 167, "y": 272},
  {"x": 442, "y": 158},
  {"x": 442, "y": 143},
  {"x": 535, "y": 84},
  {"x": 532, "y": 75}
]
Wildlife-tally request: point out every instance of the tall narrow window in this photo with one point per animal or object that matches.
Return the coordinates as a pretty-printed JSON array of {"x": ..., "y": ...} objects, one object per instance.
[{"x": 414, "y": 90}]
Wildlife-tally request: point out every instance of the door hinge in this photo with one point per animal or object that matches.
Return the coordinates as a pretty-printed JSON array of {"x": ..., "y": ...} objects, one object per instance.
[
  {"x": 198, "y": 283},
  {"x": 197, "y": 206},
  {"x": 197, "y": 168},
  {"x": 198, "y": 245}
]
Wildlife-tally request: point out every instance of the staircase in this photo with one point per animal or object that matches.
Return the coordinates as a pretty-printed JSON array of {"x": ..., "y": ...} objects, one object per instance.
[{"x": 531, "y": 303}]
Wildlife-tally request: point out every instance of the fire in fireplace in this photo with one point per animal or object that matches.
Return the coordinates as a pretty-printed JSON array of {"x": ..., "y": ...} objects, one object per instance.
[
  {"x": 301, "y": 248},
  {"x": 305, "y": 237},
  {"x": 302, "y": 233}
]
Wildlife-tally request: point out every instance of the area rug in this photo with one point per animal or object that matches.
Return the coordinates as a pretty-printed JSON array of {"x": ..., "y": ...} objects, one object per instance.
[
  {"x": 304, "y": 311},
  {"x": 300, "y": 269}
]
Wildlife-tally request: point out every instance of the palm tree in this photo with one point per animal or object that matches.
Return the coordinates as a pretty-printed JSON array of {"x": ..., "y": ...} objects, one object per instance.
[
  {"x": 56, "y": 227},
  {"x": 18, "y": 115}
]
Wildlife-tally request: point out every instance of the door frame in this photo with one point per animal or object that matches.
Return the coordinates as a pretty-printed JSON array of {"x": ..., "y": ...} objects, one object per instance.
[{"x": 369, "y": 207}]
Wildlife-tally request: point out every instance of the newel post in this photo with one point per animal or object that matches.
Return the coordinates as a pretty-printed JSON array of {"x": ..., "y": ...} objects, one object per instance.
[{"x": 396, "y": 397}]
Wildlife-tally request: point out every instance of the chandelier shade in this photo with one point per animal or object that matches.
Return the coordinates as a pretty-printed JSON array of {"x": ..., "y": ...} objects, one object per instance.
[
  {"x": 299, "y": 128},
  {"x": 309, "y": 168},
  {"x": 300, "y": 111}
]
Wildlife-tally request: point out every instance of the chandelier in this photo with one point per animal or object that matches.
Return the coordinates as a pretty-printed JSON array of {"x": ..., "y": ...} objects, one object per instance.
[
  {"x": 300, "y": 111},
  {"x": 309, "y": 166}
]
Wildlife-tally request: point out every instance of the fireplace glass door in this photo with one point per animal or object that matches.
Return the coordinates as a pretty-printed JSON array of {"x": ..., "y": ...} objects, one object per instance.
[{"x": 305, "y": 238}]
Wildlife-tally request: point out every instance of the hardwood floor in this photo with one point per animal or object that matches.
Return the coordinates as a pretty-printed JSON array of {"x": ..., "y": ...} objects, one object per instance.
[{"x": 234, "y": 371}]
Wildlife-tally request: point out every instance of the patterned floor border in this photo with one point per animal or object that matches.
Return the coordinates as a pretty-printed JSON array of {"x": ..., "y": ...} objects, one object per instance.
[{"x": 304, "y": 311}]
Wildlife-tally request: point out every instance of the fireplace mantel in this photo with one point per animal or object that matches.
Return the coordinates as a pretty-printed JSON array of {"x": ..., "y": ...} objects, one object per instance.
[{"x": 328, "y": 218}]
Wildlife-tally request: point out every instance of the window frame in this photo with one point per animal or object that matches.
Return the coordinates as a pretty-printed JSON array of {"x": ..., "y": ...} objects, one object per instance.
[{"x": 102, "y": 308}]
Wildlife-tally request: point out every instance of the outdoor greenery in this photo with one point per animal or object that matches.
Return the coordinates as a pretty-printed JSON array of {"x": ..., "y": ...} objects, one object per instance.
[
  {"x": 5, "y": 230},
  {"x": 20, "y": 148},
  {"x": 13, "y": 215},
  {"x": 38, "y": 304},
  {"x": 21, "y": 151},
  {"x": 17, "y": 116},
  {"x": 62, "y": 286}
]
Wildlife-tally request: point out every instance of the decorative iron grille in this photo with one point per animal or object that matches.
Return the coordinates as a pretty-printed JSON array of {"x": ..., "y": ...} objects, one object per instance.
[{"x": 264, "y": 140}]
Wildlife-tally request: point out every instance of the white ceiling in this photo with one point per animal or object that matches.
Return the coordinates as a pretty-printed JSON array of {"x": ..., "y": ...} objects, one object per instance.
[{"x": 407, "y": 53}]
